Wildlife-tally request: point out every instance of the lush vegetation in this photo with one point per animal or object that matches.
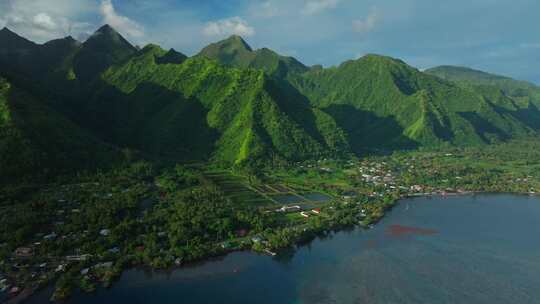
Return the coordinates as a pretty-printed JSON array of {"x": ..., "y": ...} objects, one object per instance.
[
  {"x": 113, "y": 156},
  {"x": 521, "y": 91},
  {"x": 35, "y": 141},
  {"x": 240, "y": 107},
  {"x": 382, "y": 103},
  {"x": 85, "y": 230},
  {"x": 235, "y": 52}
]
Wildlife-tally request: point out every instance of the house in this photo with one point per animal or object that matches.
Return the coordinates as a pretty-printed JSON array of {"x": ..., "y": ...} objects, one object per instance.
[
  {"x": 50, "y": 237},
  {"x": 85, "y": 271},
  {"x": 114, "y": 250},
  {"x": 60, "y": 268},
  {"x": 104, "y": 265},
  {"x": 349, "y": 195},
  {"x": 241, "y": 232},
  {"x": 417, "y": 188},
  {"x": 304, "y": 214},
  {"x": 316, "y": 210},
  {"x": 104, "y": 232},
  {"x": 24, "y": 252},
  {"x": 77, "y": 258},
  {"x": 289, "y": 208},
  {"x": 256, "y": 239},
  {"x": 14, "y": 290}
]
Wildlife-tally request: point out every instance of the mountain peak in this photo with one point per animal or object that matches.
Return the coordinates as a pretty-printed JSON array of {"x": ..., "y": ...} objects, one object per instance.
[
  {"x": 236, "y": 42},
  {"x": 381, "y": 58},
  {"x": 10, "y": 39},
  {"x": 106, "y": 29},
  {"x": 109, "y": 37},
  {"x": 108, "y": 32},
  {"x": 103, "y": 49},
  {"x": 5, "y": 30}
]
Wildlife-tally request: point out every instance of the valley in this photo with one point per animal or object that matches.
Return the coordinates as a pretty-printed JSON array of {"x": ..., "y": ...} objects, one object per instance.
[{"x": 115, "y": 157}]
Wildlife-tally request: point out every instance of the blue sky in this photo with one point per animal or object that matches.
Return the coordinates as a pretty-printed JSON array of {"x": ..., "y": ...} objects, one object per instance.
[{"x": 499, "y": 36}]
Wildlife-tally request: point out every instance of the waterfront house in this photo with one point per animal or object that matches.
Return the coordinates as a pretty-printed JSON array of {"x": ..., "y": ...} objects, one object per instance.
[
  {"x": 316, "y": 211},
  {"x": 178, "y": 261},
  {"x": 304, "y": 214}
]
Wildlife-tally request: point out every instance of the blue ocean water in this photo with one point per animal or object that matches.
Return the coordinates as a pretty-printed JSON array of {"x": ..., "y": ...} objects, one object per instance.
[{"x": 463, "y": 249}]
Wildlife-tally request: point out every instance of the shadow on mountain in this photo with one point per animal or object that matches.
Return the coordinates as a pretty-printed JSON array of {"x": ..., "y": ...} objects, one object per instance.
[
  {"x": 368, "y": 133},
  {"x": 297, "y": 107},
  {"x": 486, "y": 130},
  {"x": 37, "y": 141},
  {"x": 153, "y": 119},
  {"x": 529, "y": 116}
]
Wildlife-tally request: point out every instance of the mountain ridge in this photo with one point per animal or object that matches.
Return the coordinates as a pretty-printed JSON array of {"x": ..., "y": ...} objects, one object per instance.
[
  {"x": 235, "y": 51},
  {"x": 236, "y": 106}
]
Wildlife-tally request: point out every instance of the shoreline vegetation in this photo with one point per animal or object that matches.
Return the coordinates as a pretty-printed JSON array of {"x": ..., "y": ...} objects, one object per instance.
[{"x": 83, "y": 232}]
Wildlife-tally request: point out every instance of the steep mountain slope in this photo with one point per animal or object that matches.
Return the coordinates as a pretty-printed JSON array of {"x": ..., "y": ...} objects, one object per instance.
[
  {"x": 382, "y": 102},
  {"x": 238, "y": 106},
  {"x": 16, "y": 51},
  {"x": 37, "y": 141},
  {"x": 200, "y": 108},
  {"x": 103, "y": 49},
  {"x": 235, "y": 52},
  {"x": 521, "y": 91}
]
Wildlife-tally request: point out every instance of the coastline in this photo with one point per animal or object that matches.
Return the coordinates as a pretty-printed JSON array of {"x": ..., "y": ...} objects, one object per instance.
[{"x": 305, "y": 238}]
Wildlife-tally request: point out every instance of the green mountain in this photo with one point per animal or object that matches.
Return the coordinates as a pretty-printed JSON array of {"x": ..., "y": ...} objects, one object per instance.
[
  {"x": 521, "y": 91},
  {"x": 235, "y": 52},
  {"x": 103, "y": 49},
  {"x": 382, "y": 102},
  {"x": 234, "y": 105},
  {"x": 200, "y": 109},
  {"x": 37, "y": 141},
  {"x": 26, "y": 60}
]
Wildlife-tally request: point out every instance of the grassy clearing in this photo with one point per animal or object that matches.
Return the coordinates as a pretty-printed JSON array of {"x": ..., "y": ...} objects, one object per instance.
[{"x": 236, "y": 188}]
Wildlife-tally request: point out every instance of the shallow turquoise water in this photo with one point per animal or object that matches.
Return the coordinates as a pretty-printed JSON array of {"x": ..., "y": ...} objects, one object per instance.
[{"x": 474, "y": 249}]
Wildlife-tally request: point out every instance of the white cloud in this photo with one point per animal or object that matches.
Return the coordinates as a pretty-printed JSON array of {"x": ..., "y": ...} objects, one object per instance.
[
  {"x": 44, "y": 21},
  {"x": 229, "y": 26},
  {"x": 366, "y": 25},
  {"x": 122, "y": 24},
  {"x": 313, "y": 7}
]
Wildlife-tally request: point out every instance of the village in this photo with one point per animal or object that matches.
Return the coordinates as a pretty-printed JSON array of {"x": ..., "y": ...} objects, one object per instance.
[{"x": 83, "y": 235}]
